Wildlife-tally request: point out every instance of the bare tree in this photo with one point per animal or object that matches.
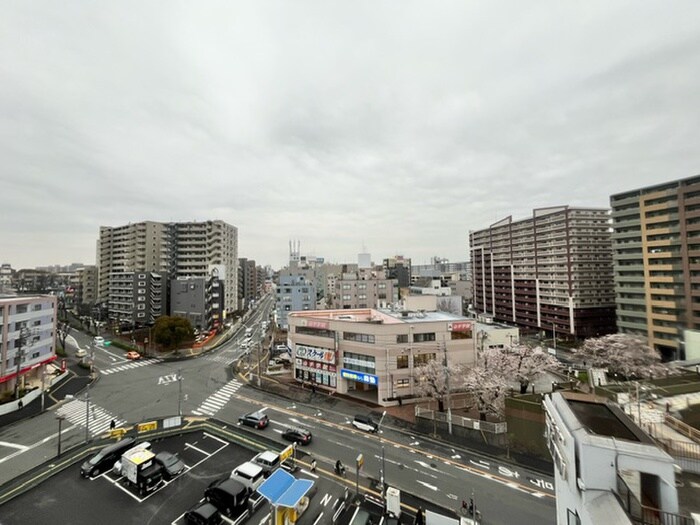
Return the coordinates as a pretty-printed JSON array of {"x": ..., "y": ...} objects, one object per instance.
[
  {"x": 431, "y": 380},
  {"x": 623, "y": 354},
  {"x": 62, "y": 331}
]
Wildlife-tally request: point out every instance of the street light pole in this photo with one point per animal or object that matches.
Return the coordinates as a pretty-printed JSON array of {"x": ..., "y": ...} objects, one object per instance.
[
  {"x": 382, "y": 478},
  {"x": 447, "y": 386}
]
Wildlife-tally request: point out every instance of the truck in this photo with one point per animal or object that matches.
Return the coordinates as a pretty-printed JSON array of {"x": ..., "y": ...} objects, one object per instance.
[{"x": 140, "y": 469}]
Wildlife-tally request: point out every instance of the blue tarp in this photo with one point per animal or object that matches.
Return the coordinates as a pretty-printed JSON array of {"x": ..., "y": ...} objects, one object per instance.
[{"x": 283, "y": 489}]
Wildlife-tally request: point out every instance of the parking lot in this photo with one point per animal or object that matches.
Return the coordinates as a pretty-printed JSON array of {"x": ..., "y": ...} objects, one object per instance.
[{"x": 109, "y": 498}]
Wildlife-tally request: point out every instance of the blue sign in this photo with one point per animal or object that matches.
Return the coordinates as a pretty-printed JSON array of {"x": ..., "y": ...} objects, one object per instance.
[{"x": 359, "y": 376}]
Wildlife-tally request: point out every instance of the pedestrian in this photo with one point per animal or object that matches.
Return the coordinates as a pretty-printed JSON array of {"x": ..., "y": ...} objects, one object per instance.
[
  {"x": 112, "y": 425},
  {"x": 313, "y": 388},
  {"x": 20, "y": 405},
  {"x": 313, "y": 465}
]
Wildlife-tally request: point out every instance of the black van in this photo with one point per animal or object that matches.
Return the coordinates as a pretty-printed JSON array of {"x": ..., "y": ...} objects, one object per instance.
[
  {"x": 106, "y": 458},
  {"x": 227, "y": 495}
]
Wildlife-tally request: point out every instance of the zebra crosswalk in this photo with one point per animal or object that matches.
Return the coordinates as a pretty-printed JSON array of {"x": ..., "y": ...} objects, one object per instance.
[
  {"x": 218, "y": 399},
  {"x": 100, "y": 419},
  {"x": 129, "y": 365},
  {"x": 222, "y": 358}
]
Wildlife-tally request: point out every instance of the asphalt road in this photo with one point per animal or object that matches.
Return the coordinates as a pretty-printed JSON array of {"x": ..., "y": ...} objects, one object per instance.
[{"x": 413, "y": 463}]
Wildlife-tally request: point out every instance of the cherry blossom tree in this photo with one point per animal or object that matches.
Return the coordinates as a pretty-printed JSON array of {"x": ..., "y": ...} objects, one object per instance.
[
  {"x": 488, "y": 388},
  {"x": 623, "y": 354},
  {"x": 520, "y": 363},
  {"x": 432, "y": 380}
]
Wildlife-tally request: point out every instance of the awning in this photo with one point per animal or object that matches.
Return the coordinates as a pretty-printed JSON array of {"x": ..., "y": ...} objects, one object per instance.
[
  {"x": 26, "y": 369},
  {"x": 282, "y": 489}
]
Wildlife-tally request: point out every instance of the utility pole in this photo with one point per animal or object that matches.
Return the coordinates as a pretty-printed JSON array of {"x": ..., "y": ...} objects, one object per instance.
[
  {"x": 87, "y": 414},
  {"x": 257, "y": 347},
  {"x": 554, "y": 336},
  {"x": 60, "y": 420},
  {"x": 447, "y": 387},
  {"x": 382, "y": 478},
  {"x": 23, "y": 333},
  {"x": 179, "y": 392}
]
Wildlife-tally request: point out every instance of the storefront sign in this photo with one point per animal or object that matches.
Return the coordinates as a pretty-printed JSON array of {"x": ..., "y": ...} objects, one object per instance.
[
  {"x": 460, "y": 327},
  {"x": 359, "y": 376},
  {"x": 316, "y": 324},
  {"x": 315, "y": 354}
]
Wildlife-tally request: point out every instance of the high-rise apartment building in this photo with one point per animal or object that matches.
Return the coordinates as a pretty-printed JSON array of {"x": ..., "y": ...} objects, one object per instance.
[
  {"x": 87, "y": 285},
  {"x": 171, "y": 250},
  {"x": 552, "y": 272},
  {"x": 656, "y": 243}
]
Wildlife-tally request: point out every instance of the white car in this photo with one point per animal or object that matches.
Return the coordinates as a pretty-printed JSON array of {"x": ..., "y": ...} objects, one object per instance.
[
  {"x": 81, "y": 352},
  {"x": 98, "y": 341}
]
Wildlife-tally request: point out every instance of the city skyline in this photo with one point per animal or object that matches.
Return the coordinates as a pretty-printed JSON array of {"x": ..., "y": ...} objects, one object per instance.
[{"x": 349, "y": 127}]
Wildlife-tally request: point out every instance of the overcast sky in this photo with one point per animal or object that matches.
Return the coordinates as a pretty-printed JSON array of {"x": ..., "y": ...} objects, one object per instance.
[{"x": 387, "y": 127}]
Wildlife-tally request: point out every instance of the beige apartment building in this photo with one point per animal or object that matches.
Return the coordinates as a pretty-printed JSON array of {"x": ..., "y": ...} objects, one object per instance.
[
  {"x": 656, "y": 243},
  {"x": 185, "y": 249},
  {"x": 364, "y": 289},
  {"x": 372, "y": 354},
  {"x": 551, "y": 272}
]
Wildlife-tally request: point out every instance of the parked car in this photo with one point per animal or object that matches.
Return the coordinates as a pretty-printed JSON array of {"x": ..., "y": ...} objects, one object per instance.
[
  {"x": 366, "y": 423},
  {"x": 268, "y": 460},
  {"x": 255, "y": 419},
  {"x": 251, "y": 475},
  {"x": 203, "y": 513},
  {"x": 172, "y": 465},
  {"x": 133, "y": 355},
  {"x": 298, "y": 435},
  {"x": 105, "y": 458},
  {"x": 227, "y": 495}
]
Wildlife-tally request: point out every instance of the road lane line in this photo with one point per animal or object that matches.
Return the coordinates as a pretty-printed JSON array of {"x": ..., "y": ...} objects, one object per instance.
[{"x": 13, "y": 445}]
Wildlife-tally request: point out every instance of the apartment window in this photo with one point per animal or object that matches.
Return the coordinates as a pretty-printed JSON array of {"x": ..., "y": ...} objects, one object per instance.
[
  {"x": 422, "y": 338},
  {"x": 141, "y": 315},
  {"x": 423, "y": 359},
  {"x": 402, "y": 338},
  {"x": 346, "y": 287},
  {"x": 358, "y": 338},
  {"x": 142, "y": 291},
  {"x": 402, "y": 361},
  {"x": 362, "y": 286},
  {"x": 142, "y": 276},
  {"x": 36, "y": 355},
  {"x": 21, "y": 309},
  {"x": 346, "y": 297},
  {"x": 141, "y": 298},
  {"x": 382, "y": 286},
  {"x": 362, "y": 296},
  {"x": 36, "y": 307},
  {"x": 142, "y": 283}
]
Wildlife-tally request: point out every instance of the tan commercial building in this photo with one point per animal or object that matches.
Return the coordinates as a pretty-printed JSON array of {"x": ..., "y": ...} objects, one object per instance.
[
  {"x": 552, "y": 272},
  {"x": 364, "y": 289},
  {"x": 656, "y": 243},
  {"x": 372, "y": 354}
]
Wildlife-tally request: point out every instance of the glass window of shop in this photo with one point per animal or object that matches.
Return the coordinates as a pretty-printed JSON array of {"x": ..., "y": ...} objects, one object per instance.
[{"x": 359, "y": 362}]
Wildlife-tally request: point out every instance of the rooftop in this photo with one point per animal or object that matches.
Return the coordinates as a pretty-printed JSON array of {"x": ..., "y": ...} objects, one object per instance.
[
  {"x": 607, "y": 420},
  {"x": 371, "y": 315}
]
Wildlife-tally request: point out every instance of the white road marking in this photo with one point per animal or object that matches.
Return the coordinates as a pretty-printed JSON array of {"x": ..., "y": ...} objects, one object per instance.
[
  {"x": 427, "y": 485},
  {"x": 40, "y": 442},
  {"x": 13, "y": 445}
]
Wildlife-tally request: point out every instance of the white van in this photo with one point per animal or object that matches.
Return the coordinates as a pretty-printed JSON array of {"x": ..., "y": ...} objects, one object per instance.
[
  {"x": 98, "y": 341},
  {"x": 249, "y": 474}
]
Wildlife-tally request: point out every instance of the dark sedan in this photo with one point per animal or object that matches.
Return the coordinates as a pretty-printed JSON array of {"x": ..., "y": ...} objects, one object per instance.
[{"x": 172, "y": 465}]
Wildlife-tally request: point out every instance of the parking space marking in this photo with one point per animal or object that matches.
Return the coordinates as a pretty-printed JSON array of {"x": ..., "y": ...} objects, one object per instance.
[
  {"x": 188, "y": 445},
  {"x": 216, "y": 438}
]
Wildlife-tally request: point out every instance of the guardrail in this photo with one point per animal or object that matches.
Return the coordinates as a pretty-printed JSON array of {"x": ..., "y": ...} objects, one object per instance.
[{"x": 682, "y": 428}]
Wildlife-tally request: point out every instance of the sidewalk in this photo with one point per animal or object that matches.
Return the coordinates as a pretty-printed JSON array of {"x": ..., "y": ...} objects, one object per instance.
[{"x": 78, "y": 378}]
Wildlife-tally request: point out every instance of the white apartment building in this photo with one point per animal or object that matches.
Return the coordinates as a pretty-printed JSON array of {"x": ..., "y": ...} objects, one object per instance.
[
  {"x": 606, "y": 469},
  {"x": 27, "y": 337},
  {"x": 372, "y": 354}
]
